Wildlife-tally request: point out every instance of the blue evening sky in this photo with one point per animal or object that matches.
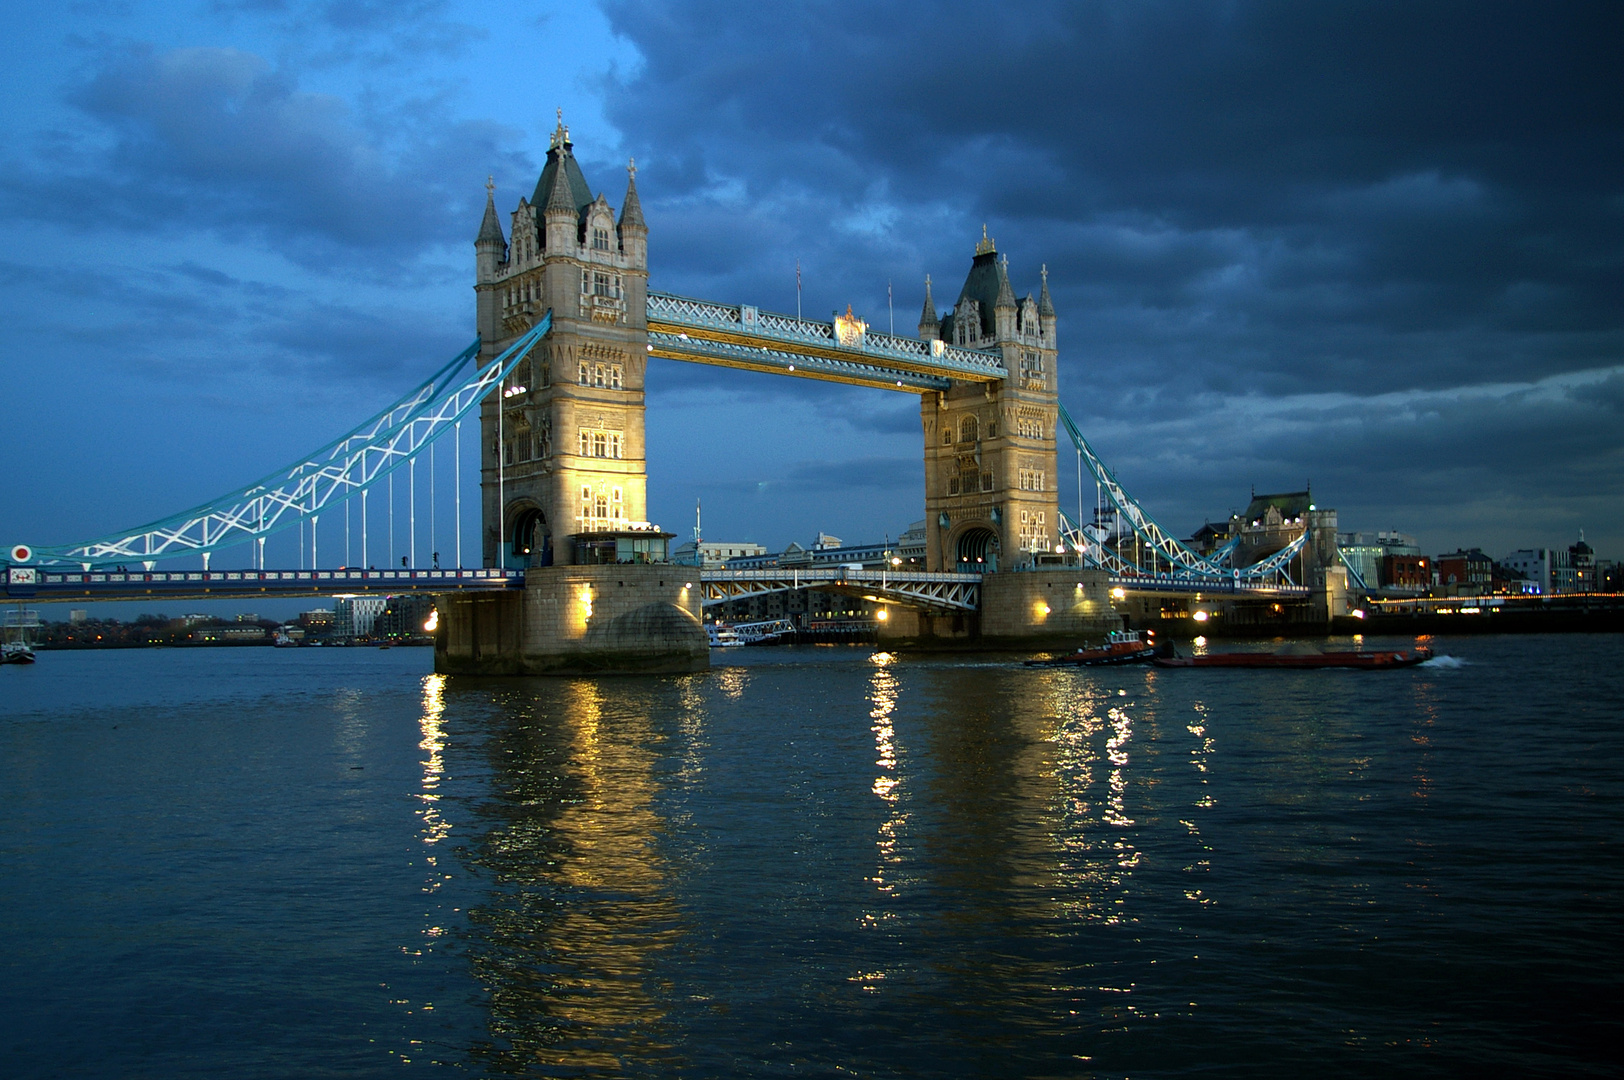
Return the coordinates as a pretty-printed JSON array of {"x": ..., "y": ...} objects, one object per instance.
[{"x": 1379, "y": 246}]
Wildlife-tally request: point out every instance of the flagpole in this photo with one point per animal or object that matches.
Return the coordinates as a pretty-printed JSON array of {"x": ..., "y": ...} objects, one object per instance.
[
  {"x": 797, "y": 290},
  {"x": 889, "y": 310}
]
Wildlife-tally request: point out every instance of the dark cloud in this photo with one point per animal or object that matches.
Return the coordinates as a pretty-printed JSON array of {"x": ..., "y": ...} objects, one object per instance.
[
  {"x": 1253, "y": 208},
  {"x": 1323, "y": 176},
  {"x": 219, "y": 141}
]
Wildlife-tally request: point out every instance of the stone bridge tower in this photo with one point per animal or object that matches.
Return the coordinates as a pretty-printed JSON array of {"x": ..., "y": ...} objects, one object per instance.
[
  {"x": 991, "y": 493},
  {"x": 561, "y": 444}
]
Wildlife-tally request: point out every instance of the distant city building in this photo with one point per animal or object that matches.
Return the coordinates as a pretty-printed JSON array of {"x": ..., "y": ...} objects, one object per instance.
[
  {"x": 404, "y": 616},
  {"x": 319, "y": 618},
  {"x": 909, "y": 549},
  {"x": 1583, "y": 561},
  {"x": 1547, "y": 568},
  {"x": 356, "y": 616},
  {"x": 714, "y": 554},
  {"x": 1407, "y": 573},
  {"x": 230, "y": 634},
  {"x": 1366, "y": 553},
  {"x": 1209, "y": 538},
  {"x": 1463, "y": 573},
  {"x": 77, "y": 616}
]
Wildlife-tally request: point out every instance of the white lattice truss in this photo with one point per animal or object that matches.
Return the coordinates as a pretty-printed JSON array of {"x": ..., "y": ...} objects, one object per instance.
[
  {"x": 682, "y": 328},
  {"x": 1170, "y": 557},
  {"x": 330, "y": 475},
  {"x": 934, "y": 592}
]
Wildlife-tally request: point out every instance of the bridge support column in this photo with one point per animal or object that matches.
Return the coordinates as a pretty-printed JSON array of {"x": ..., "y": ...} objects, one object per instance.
[
  {"x": 1034, "y": 609},
  {"x": 577, "y": 620}
]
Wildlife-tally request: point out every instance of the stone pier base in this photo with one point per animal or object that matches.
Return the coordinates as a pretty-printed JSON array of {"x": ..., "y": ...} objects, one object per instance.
[
  {"x": 1029, "y": 610},
  {"x": 577, "y": 620}
]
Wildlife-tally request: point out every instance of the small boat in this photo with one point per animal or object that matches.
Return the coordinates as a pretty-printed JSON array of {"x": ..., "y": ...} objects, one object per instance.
[
  {"x": 1300, "y": 657},
  {"x": 15, "y": 647},
  {"x": 723, "y": 637},
  {"x": 1121, "y": 647}
]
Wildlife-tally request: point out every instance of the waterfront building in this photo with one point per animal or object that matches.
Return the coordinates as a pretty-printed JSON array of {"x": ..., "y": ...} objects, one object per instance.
[
  {"x": 1463, "y": 573},
  {"x": 356, "y": 616},
  {"x": 714, "y": 554},
  {"x": 1583, "y": 561},
  {"x": 403, "y": 616},
  {"x": 1366, "y": 553},
  {"x": 1548, "y": 569},
  {"x": 1406, "y": 573}
]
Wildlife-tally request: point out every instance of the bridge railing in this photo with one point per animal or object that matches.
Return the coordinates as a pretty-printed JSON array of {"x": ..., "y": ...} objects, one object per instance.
[
  {"x": 48, "y": 582},
  {"x": 936, "y": 357}
]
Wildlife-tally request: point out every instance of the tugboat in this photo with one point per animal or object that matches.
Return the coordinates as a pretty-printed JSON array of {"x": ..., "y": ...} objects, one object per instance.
[
  {"x": 1121, "y": 647},
  {"x": 15, "y": 648}
]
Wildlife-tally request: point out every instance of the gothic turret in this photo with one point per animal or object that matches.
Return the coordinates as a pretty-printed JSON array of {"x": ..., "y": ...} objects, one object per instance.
[
  {"x": 1046, "y": 309},
  {"x": 489, "y": 248},
  {"x": 489, "y": 245},
  {"x": 1004, "y": 308},
  {"x": 929, "y": 325},
  {"x": 633, "y": 229},
  {"x": 559, "y": 213}
]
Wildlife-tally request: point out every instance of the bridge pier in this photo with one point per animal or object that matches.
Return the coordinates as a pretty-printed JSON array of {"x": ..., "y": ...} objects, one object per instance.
[
  {"x": 1027, "y": 609},
  {"x": 612, "y": 619}
]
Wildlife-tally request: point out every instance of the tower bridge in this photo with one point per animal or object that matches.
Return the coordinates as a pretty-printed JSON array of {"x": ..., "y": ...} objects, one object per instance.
[{"x": 572, "y": 574}]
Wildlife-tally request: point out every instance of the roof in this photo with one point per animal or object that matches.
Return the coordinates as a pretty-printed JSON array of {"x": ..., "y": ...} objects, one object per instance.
[
  {"x": 1291, "y": 504},
  {"x": 579, "y": 188},
  {"x": 982, "y": 286}
]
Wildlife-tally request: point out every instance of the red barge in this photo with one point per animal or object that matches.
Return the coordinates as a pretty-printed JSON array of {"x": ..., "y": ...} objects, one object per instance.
[{"x": 1360, "y": 661}]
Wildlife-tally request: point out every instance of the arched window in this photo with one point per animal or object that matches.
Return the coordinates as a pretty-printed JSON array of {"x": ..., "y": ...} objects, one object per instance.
[{"x": 968, "y": 429}]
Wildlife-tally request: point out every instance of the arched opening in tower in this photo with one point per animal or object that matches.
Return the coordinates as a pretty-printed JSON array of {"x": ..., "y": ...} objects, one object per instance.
[
  {"x": 978, "y": 551},
  {"x": 530, "y": 542}
]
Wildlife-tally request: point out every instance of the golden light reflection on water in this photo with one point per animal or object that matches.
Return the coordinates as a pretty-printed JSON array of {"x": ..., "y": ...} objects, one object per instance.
[
  {"x": 884, "y": 691},
  {"x": 582, "y": 911}
]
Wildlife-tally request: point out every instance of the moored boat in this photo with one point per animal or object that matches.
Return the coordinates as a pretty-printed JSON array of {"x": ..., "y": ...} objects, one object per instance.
[
  {"x": 15, "y": 646},
  {"x": 1359, "y": 661},
  {"x": 723, "y": 637},
  {"x": 1121, "y": 647}
]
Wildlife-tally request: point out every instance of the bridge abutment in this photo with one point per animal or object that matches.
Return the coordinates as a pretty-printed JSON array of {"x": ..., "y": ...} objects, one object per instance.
[{"x": 577, "y": 620}]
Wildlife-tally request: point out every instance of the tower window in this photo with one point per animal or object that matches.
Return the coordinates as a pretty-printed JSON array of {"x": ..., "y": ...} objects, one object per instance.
[
  {"x": 583, "y": 375},
  {"x": 614, "y": 377},
  {"x": 600, "y": 239}
]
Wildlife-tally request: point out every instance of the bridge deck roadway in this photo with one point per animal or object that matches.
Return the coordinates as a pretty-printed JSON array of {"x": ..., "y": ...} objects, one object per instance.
[
  {"x": 51, "y": 583},
  {"x": 938, "y": 592}
]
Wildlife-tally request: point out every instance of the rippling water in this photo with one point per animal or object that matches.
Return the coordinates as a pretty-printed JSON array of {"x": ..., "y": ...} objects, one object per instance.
[{"x": 303, "y": 863}]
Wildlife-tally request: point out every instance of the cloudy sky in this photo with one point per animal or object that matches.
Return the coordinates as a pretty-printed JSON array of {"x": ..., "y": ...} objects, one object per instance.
[{"x": 1375, "y": 246}]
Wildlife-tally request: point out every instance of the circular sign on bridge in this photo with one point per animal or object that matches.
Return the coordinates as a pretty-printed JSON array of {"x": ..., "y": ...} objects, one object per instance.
[{"x": 21, "y": 553}]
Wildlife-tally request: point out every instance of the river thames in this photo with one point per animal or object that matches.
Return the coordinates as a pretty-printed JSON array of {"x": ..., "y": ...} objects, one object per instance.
[{"x": 812, "y": 862}]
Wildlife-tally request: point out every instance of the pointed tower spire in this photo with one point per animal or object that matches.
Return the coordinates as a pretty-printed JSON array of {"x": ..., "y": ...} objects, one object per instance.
[
  {"x": 1006, "y": 295},
  {"x": 490, "y": 229},
  {"x": 929, "y": 325},
  {"x": 561, "y": 198},
  {"x": 1045, "y": 303},
  {"x": 631, "y": 211}
]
